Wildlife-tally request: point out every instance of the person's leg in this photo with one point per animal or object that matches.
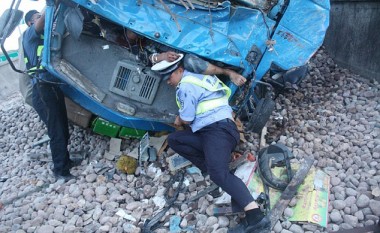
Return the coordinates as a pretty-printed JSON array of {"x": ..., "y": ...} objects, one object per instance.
[
  {"x": 38, "y": 105},
  {"x": 57, "y": 124},
  {"x": 189, "y": 145},
  {"x": 220, "y": 139}
]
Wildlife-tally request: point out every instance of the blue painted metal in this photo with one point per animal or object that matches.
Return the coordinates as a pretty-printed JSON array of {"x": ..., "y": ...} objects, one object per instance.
[
  {"x": 215, "y": 35},
  {"x": 298, "y": 36},
  {"x": 89, "y": 102},
  {"x": 221, "y": 35}
]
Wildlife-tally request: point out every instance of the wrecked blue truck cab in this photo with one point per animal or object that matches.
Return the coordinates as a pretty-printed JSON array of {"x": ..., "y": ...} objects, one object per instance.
[{"x": 89, "y": 51}]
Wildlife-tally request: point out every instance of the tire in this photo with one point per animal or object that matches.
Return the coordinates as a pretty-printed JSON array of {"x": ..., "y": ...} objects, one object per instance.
[{"x": 260, "y": 115}]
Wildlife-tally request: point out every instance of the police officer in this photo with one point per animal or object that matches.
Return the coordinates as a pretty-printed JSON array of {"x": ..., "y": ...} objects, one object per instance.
[
  {"x": 212, "y": 136},
  {"x": 48, "y": 99}
]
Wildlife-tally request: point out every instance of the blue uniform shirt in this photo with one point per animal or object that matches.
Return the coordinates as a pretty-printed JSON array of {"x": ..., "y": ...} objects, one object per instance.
[
  {"x": 189, "y": 95},
  {"x": 30, "y": 41}
]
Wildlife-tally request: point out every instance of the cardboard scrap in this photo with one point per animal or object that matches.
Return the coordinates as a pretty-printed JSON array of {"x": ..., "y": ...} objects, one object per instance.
[
  {"x": 134, "y": 153},
  {"x": 115, "y": 144},
  {"x": 154, "y": 145},
  {"x": 159, "y": 143},
  {"x": 177, "y": 162},
  {"x": 313, "y": 200},
  {"x": 143, "y": 147},
  {"x": 114, "y": 149},
  {"x": 312, "y": 195}
]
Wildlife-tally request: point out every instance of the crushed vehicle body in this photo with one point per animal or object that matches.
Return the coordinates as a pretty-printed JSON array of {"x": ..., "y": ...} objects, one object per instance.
[{"x": 99, "y": 68}]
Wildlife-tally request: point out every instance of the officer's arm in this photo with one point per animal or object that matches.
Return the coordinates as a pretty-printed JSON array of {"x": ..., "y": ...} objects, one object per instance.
[
  {"x": 40, "y": 23},
  {"x": 178, "y": 121},
  {"x": 236, "y": 78}
]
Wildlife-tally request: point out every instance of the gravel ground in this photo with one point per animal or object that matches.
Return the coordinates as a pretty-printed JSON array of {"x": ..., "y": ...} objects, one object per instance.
[{"x": 334, "y": 117}]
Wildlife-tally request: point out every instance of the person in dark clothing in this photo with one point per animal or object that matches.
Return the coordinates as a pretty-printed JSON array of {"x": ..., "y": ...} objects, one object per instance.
[
  {"x": 48, "y": 99},
  {"x": 212, "y": 136}
]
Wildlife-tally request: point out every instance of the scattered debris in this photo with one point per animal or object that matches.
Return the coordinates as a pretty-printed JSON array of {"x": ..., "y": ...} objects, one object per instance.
[
  {"x": 44, "y": 139},
  {"x": 40, "y": 157},
  {"x": 114, "y": 149},
  {"x": 290, "y": 191},
  {"x": 193, "y": 170},
  {"x": 174, "y": 224},
  {"x": 313, "y": 194},
  {"x": 115, "y": 144},
  {"x": 151, "y": 224},
  {"x": 176, "y": 162},
  {"x": 121, "y": 213},
  {"x": 159, "y": 201},
  {"x": 159, "y": 143}
]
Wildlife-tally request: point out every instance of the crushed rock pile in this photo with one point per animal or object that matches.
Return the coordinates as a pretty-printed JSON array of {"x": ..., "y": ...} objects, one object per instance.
[{"x": 333, "y": 117}]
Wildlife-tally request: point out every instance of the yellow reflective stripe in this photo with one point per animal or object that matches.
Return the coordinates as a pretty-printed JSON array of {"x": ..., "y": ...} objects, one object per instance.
[
  {"x": 34, "y": 69},
  {"x": 25, "y": 60},
  {"x": 39, "y": 50},
  {"x": 208, "y": 105},
  {"x": 207, "y": 85}
]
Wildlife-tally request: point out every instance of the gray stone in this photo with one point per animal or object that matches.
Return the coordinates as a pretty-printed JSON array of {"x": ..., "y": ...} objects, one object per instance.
[
  {"x": 359, "y": 215},
  {"x": 100, "y": 190},
  {"x": 45, "y": 229},
  {"x": 211, "y": 221},
  {"x": 346, "y": 226},
  {"x": 223, "y": 221},
  {"x": 91, "y": 178},
  {"x": 352, "y": 220},
  {"x": 375, "y": 207},
  {"x": 285, "y": 231},
  {"x": 336, "y": 217},
  {"x": 288, "y": 212},
  {"x": 277, "y": 227},
  {"x": 339, "y": 204},
  {"x": 286, "y": 224},
  {"x": 296, "y": 228},
  {"x": 362, "y": 201},
  {"x": 351, "y": 192},
  {"x": 335, "y": 181}
]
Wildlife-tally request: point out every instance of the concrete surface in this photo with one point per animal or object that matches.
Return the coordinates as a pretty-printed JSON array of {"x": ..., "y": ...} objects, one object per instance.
[{"x": 352, "y": 39}]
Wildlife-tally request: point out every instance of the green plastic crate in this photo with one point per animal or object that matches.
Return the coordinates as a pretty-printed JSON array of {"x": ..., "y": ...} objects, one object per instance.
[
  {"x": 104, "y": 127},
  {"x": 126, "y": 132}
]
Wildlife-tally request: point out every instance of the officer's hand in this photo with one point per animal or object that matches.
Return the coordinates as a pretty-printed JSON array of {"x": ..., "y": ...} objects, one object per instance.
[
  {"x": 178, "y": 121},
  {"x": 168, "y": 56},
  {"x": 236, "y": 78}
]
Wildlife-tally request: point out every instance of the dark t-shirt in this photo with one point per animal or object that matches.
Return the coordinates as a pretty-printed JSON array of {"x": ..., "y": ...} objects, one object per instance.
[{"x": 30, "y": 42}]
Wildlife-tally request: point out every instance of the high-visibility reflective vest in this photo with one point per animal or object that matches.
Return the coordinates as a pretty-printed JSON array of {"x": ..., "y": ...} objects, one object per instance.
[
  {"x": 34, "y": 69},
  {"x": 207, "y": 105}
]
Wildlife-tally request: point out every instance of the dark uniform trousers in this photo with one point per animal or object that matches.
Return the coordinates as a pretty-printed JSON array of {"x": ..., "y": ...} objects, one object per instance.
[
  {"x": 49, "y": 102},
  {"x": 210, "y": 150}
]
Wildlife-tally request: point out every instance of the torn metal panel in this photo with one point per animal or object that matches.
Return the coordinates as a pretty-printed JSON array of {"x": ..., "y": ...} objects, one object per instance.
[{"x": 77, "y": 79}]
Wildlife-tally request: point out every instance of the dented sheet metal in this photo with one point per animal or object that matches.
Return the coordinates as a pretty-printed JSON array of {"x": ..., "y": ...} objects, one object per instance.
[{"x": 222, "y": 34}]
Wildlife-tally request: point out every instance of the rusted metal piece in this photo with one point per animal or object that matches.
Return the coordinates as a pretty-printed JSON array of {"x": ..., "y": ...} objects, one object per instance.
[{"x": 290, "y": 191}]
